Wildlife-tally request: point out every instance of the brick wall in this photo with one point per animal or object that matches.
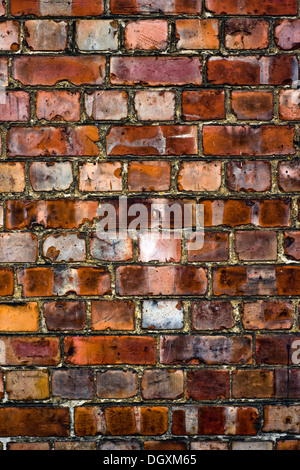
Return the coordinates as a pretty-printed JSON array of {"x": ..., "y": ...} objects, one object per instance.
[{"x": 144, "y": 344}]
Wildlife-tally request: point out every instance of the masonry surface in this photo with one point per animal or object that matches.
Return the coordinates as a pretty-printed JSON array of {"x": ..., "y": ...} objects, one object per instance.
[{"x": 147, "y": 344}]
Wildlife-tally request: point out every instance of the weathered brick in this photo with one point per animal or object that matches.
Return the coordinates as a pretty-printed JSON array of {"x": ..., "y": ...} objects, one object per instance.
[
  {"x": 212, "y": 315},
  {"x": 51, "y": 176},
  {"x": 27, "y": 385},
  {"x": 287, "y": 383},
  {"x": 157, "y": 384},
  {"x": 102, "y": 176},
  {"x": 165, "y": 445},
  {"x": 147, "y": 35},
  {"x": 281, "y": 419},
  {"x": 64, "y": 247},
  {"x": 112, "y": 315},
  {"x": 215, "y": 248},
  {"x": 156, "y": 71},
  {"x": 10, "y": 36},
  {"x": 252, "y": 105},
  {"x": 246, "y": 34},
  {"x": 28, "y": 446},
  {"x": 134, "y": 7},
  {"x": 46, "y": 35},
  {"x": 14, "y": 106},
  {"x": 289, "y": 176},
  {"x": 207, "y": 384},
  {"x": 289, "y": 101},
  {"x": 268, "y": 315},
  {"x": 29, "y": 351},
  {"x": 249, "y": 176},
  {"x": 58, "y": 105},
  {"x": 275, "y": 349},
  {"x": 152, "y": 247},
  {"x": 209, "y": 445},
  {"x": 119, "y": 445},
  {"x": 155, "y": 105},
  {"x": 252, "y": 445},
  {"x": 162, "y": 314},
  {"x": 288, "y": 445},
  {"x": 75, "y": 445},
  {"x": 149, "y": 176},
  {"x": 96, "y": 35},
  {"x": 73, "y": 384},
  {"x": 19, "y": 317},
  {"x": 117, "y": 384},
  {"x": 6, "y": 281},
  {"x": 200, "y": 176},
  {"x": 253, "y": 384},
  {"x": 287, "y": 34},
  {"x": 56, "y": 7},
  {"x": 203, "y": 105},
  {"x": 106, "y": 248},
  {"x": 197, "y": 34},
  {"x": 106, "y": 105},
  {"x": 256, "y": 7},
  {"x": 69, "y": 315},
  {"x": 256, "y": 245},
  {"x": 292, "y": 245},
  {"x": 12, "y": 177}
]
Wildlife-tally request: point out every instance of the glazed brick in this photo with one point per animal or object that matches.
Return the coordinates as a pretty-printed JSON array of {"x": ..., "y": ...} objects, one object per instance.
[
  {"x": 113, "y": 315},
  {"x": 14, "y": 106},
  {"x": 246, "y": 34},
  {"x": 96, "y": 35},
  {"x": 247, "y": 140},
  {"x": 200, "y": 176},
  {"x": 249, "y": 176},
  {"x": 215, "y": 420},
  {"x": 50, "y": 176},
  {"x": 155, "y": 105},
  {"x": 292, "y": 245},
  {"x": 102, "y": 176},
  {"x": 205, "y": 350},
  {"x": 282, "y": 379},
  {"x": 46, "y": 70},
  {"x": 12, "y": 179},
  {"x": 121, "y": 421},
  {"x": 134, "y": 7},
  {"x": 152, "y": 140},
  {"x": 267, "y": 315},
  {"x": 64, "y": 247},
  {"x": 58, "y": 105},
  {"x": 46, "y": 35},
  {"x": 156, "y": 70},
  {"x": 289, "y": 105},
  {"x": 256, "y": 7},
  {"x": 19, "y": 317},
  {"x": 117, "y": 384},
  {"x": 252, "y": 384},
  {"x": 287, "y": 34},
  {"x": 18, "y": 248},
  {"x": 29, "y": 351},
  {"x": 47, "y": 281},
  {"x": 207, "y": 384},
  {"x": 253, "y": 70},
  {"x": 215, "y": 248},
  {"x": 162, "y": 314},
  {"x": 54, "y": 8},
  {"x": 153, "y": 248},
  {"x": 197, "y": 34},
  {"x": 289, "y": 176},
  {"x": 146, "y": 35},
  {"x": 163, "y": 280},
  {"x": 274, "y": 349},
  {"x": 252, "y": 246},
  {"x": 27, "y": 385},
  {"x": 158, "y": 384},
  {"x": 203, "y": 105},
  {"x": 6, "y": 281},
  {"x": 282, "y": 419},
  {"x": 34, "y": 421},
  {"x": 252, "y": 105},
  {"x": 83, "y": 350},
  {"x": 10, "y": 36},
  {"x": 149, "y": 176},
  {"x": 65, "y": 315},
  {"x": 212, "y": 315},
  {"x": 106, "y": 105},
  {"x": 73, "y": 384},
  {"x": 52, "y": 141}
]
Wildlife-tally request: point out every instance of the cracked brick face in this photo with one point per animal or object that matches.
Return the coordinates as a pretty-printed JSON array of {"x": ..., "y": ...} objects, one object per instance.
[{"x": 138, "y": 341}]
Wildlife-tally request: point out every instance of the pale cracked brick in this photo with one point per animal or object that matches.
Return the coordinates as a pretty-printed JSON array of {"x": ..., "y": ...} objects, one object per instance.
[
  {"x": 162, "y": 314},
  {"x": 66, "y": 247},
  {"x": 18, "y": 248},
  {"x": 103, "y": 176},
  {"x": 49, "y": 176},
  {"x": 155, "y": 105},
  {"x": 117, "y": 384},
  {"x": 105, "y": 247},
  {"x": 9, "y": 36},
  {"x": 107, "y": 105},
  {"x": 97, "y": 35},
  {"x": 58, "y": 105},
  {"x": 27, "y": 384},
  {"x": 46, "y": 35}
]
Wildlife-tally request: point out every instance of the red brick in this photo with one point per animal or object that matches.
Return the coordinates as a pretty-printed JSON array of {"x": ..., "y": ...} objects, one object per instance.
[
  {"x": 10, "y": 36},
  {"x": 29, "y": 351},
  {"x": 197, "y": 34},
  {"x": 52, "y": 141},
  {"x": 12, "y": 177},
  {"x": 289, "y": 101},
  {"x": 117, "y": 384},
  {"x": 54, "y": 8},
  {"x": 252, "y": 384},
  {"x": 200, "y": 176},
  {"x": 253, "y": 70},
  {"x": 252, "y": 105},
  {"x": 46, "y": 35},
  {"x": 134, "y": 7},
  {"x": 288, "y": 278},
  {"x": 156, "y": 70},
  {"x": 34, "y": 421},
  {"x": 246, "y": 34},
  {"x": 112, "y": 315},
  {"x": 247, "y": 140},
  {"x": 3, "y": 72},
  {"x": 203, "y": 105},
  {"x": 249, "y": 176},
  {"x": 14, "y": 106},
  {"x": 6, "y": 281},
  {"x": 252, "y": 246},
  {"x": 149, "y": 176},
  {"x": 58, "y": 105},
  {"x": 73, "y": 384},
  {"x": 244, "y": 280},
  {"x": 292, "y": 245},
  {"x": 275, "y": 349},
  {"x": 215, "y": 248},
  {"x": 45, "y": 70},
  {"x": 212, "y": 315},
  {"x": 84, "y": 350},
  {"x": 155, "y": 105},
  {"x": 256, "y": 7},
  {"x": 146, "y": 34},
  {"x": 158, "y": 384},
  {"x": 28, "y": 446},
  {"x": 287, "y": 383},
  {"x": 162, "y": 280},
  {"x": 267, "y": 315},
  {"x": 69, "y": 315},
  {"x": 205, "y": 350},
  {"x": 282, "y": 419},
  {"x": 106, "y": 105},
  {"x": 207, "y": 384},
  {"x": 287, "y": 34},
  {"x": 152, "y": 140}
]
